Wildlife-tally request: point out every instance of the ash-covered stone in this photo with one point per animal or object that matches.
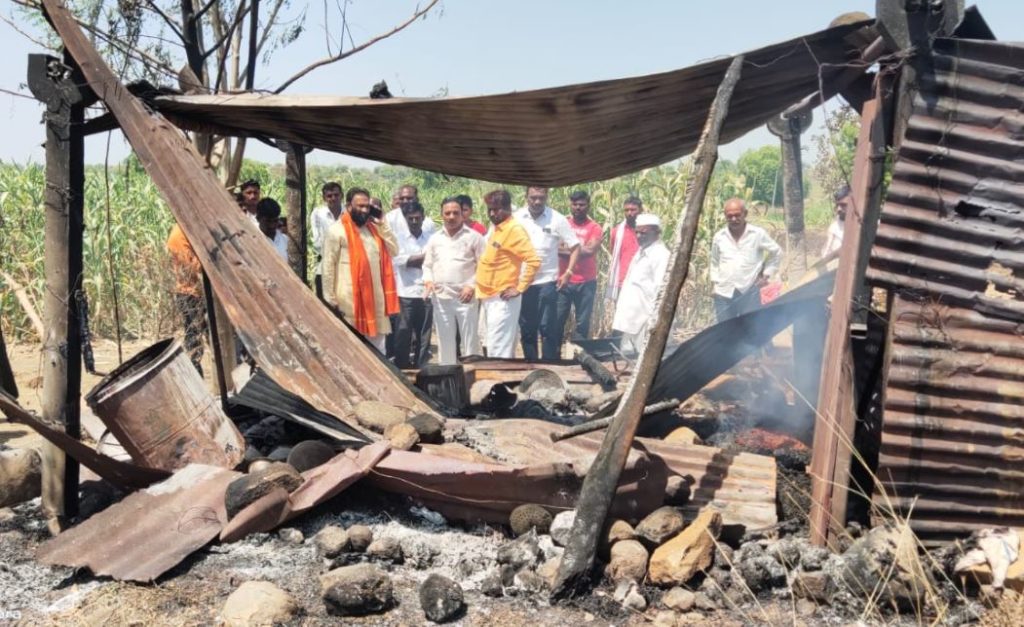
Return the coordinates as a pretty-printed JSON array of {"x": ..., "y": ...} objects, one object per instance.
[
  {"x": 529, "y": 516},
  {"x": 523, "y": 552},
  {"x": 386, "y": 549},
  {"x": 360, "y": 537},
  {"x": 561, "y": 527},
  {"x": 660, "y": 525},
  {"x": 357, "y": 590},
  {"x": 441, "y": 598}
]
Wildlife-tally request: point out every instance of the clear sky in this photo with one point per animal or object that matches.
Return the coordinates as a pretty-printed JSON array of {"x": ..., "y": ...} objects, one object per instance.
[{"x": 473, "y": 47}]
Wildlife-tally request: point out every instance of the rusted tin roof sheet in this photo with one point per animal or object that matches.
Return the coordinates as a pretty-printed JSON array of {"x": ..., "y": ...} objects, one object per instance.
[
  {"x": 150, "y": 531},
  {"x": 558, "y": 136},
  {"x": 291, "y": 335},
  {"x": 951, "y": 245}
]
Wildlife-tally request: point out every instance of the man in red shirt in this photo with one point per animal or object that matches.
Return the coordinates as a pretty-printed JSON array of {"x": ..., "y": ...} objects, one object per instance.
[
  {"x": 582, "y": 288},
  {"x": 624, "y": 246},
  {"x": 467, "y": 214}
]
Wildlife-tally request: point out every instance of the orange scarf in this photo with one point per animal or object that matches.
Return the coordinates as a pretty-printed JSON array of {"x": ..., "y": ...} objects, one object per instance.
[{"x": 363, "y": 306}]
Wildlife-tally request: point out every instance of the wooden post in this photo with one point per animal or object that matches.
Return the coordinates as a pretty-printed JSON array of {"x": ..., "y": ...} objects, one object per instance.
[
  {"x": 602, "y": 479},
  {"x": 295, "y": 202},
  {"x": 836, "y": 416},
  {"x": 788, "y": 129},
  {"x": 56, "y": 85}
]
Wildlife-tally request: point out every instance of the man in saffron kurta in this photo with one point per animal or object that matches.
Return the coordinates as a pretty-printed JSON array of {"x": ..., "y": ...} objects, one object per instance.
[{"x": 358, "y": 277}]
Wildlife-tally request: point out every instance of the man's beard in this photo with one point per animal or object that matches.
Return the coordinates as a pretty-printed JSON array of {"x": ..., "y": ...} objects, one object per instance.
[{"x": 360, "y": 218}]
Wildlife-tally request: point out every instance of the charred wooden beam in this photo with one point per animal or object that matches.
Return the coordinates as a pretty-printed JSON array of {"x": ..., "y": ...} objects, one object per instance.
[
  {"x": 603, "y": 477},
  {"x": 836, "y": 416},
  {"x": 601, "y": 423},
  {"x": 60, "y": 86},
  {"x": 788, "y": 129}
]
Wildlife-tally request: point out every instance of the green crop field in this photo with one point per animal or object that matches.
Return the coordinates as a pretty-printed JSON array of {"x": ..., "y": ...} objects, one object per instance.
[{"x": 127, "y": 223}]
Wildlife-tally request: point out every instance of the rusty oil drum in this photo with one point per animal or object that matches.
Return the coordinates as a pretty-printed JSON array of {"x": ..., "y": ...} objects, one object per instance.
[{"x": 159, "y": 409}]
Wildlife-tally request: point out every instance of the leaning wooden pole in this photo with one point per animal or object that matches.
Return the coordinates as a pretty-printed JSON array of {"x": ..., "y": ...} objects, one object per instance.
[
  {"x": 53, "y": 83},
  {"x": 603, "y": 477},
  {"x": 836, "y": 416},
  {"x": 295, "y": 203}
]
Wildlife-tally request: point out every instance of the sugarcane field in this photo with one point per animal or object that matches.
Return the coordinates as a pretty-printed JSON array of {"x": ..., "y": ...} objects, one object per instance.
[{"x": 523, "y": 313}]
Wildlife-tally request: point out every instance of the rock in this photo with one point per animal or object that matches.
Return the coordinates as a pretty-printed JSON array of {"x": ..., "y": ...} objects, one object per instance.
[
  {"x": 331, "y": 541},
  {"x": 378, "y": 416},
  {"x": 679, "y": 599},
  {"x": 508, "y": 575},
  {"x": 7, "y": 514},
  {"x": 549, "y": 569},
  {"x": 20, "y": 476},
  {"x": 628, "y": 561},
  {"x": 549, "y": 548},
  {"x": 561, "y": 527},
  {"x": 683, "y": 435},
  {"x": 677, "y": 490},
  {"x": 357, "y": 590},
  {"x": 418, "y": 552},
  {"x": 619, "y": 530},
  {"x": 402, "y": 436},
  {"x": 280, "y": 454},
  {"x": 724, "y": 556},
  {"x": 523, "y": 552},
  {"x": 787, "y": 552},
  {"x": 814, "y": 558},
  {"x": 704, "y": 602},
  {"x": 360, "y": 537},
  {"x": 759, "y": 573},
  {"x": 628, "y": 594},
  {"x": 387, "y": 549},
  {"x": 665, "y": 618},
  {"x": 529, "y": 516},
  {"x": 253, "y": 486},
  {"x": 814, "y": 585},
  {"x": 430, "y": 428},
  {"x": 660, "y": 525},
  {"x": 291, "y": 535},
  {"x": 679, "y": 559},
  {"x": 258, "y": 603},
  {"x": 441, "y": 598},
  {"x": 806, "y": 608},
  {"x": 886, "y": 554},
  {"x": 529, "y": 582},
  {"x": 491, "y": 586},
  {"x": 310, "y": 454}
]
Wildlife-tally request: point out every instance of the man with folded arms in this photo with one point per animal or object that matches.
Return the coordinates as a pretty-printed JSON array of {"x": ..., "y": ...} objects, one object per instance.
[
  {"x": 449, "y": 278},
  {"x": 506, "y": 269},
  {"x": 359, "y": 280}
]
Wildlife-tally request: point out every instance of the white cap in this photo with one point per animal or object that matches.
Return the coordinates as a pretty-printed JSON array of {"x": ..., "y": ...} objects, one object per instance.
[{"x": 648, "y": 219}]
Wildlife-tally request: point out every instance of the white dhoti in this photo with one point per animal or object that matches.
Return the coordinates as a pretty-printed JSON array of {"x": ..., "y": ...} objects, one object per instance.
[
  {"x": 502, "y": 325},
  {"x": 451, "y": 315},
  {"x": 377, "y": 341}
]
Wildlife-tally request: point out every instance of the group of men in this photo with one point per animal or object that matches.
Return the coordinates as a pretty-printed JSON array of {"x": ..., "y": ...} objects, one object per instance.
[{"x": 394, "y": 277}]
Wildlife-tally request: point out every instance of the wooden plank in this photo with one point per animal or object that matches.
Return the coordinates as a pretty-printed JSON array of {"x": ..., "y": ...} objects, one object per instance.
[
  {"x": 291, "y": 335},
  {"x": 603, "y": 477},
  {"x": 295, "y": 205},
  {"x": 836, "y": 417}
]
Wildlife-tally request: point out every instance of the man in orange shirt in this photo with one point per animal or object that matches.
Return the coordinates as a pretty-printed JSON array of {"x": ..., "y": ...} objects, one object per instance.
[
  {"x": 506, "y": 269},
  {"x": 188, "y": 293}
]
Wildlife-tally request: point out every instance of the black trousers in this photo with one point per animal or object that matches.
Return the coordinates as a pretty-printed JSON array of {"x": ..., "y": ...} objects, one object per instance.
[
  {"x": 579, "y": 296},
  {"x": 193, "y": 314},
  {"x": 412, "y": 335},
  {"x": 539, "y": 316},
  {"x": 737, "y": 304}
]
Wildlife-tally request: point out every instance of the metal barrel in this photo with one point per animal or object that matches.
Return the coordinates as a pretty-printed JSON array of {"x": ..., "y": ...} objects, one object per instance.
[{"x": 160, "y": 410}]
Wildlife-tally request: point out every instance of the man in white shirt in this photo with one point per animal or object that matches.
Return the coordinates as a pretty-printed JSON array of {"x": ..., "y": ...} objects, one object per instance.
[
  {"x": 396, "y": 219},
  {"x": 323, "y": 217},
  {"x": 834, "y": 239},
  {"x": 415, "y": 316},
  {"x": 449, "y": 280},
  {"x": 548, "y": 230},
  {"x": 743, "y": 258},
  {"x": 268, "y": 216},
  {"x": 638, "y": 296}
]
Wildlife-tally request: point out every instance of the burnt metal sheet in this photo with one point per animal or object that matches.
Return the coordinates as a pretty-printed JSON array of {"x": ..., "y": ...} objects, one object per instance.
[
  {"x": 150, "y": 531},
  {"x": 741, "y": 485},
  {"x": 557, "y": 136},
  {"x": 291, "y": 335},
  {"x": 951, "y": 246}
]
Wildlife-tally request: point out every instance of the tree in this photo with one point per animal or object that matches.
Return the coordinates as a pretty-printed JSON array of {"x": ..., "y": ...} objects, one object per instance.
[
  {"x": 761, "y": 169},
  {"x": 208, "y": 46},
  {"x": 834, "y": 149}
]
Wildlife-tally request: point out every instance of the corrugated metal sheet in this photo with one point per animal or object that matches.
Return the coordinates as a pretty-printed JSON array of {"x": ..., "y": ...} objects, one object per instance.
[
  {"x": 951, "y": 245},
  {"x": 556, "y": 136}
]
